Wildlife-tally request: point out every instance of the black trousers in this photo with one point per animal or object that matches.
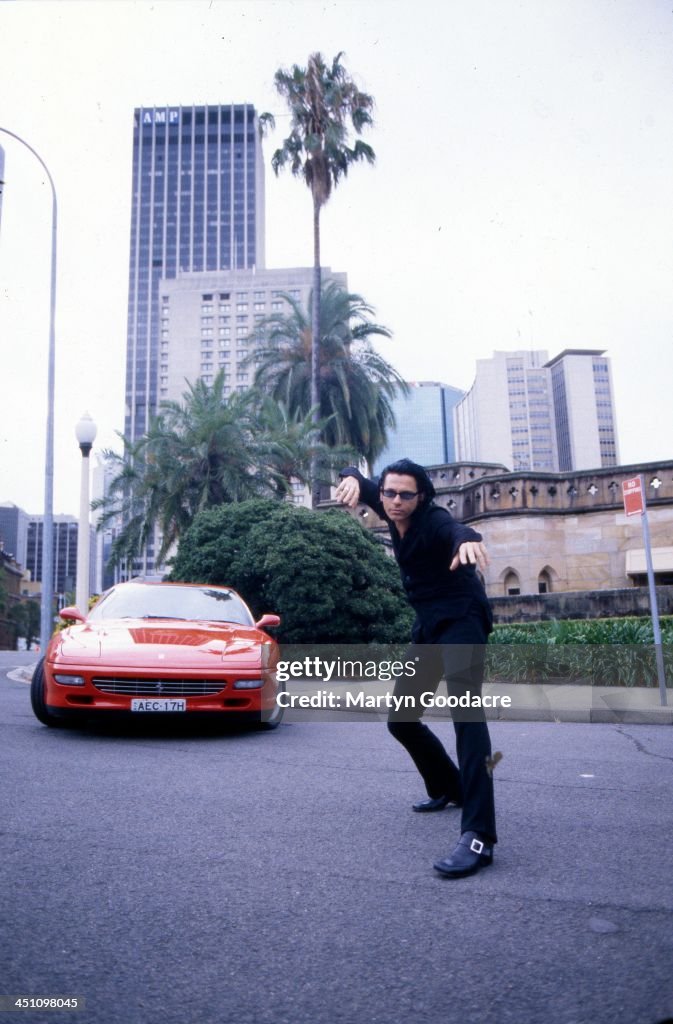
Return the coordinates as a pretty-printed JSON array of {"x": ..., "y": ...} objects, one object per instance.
[{"x": 454, "y": 649}]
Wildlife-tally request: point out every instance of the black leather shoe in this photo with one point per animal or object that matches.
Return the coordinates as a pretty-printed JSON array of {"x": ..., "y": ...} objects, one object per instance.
[
  {"x": 437, "y": 803},
  {"x": 470, "y": 855}
]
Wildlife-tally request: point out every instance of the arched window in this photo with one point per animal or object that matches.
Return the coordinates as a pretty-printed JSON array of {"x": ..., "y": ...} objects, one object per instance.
[
  {"x": 544, "y": 583},
  {"x": 512, "y": 583},
  {"x": 545, "y": 580}
]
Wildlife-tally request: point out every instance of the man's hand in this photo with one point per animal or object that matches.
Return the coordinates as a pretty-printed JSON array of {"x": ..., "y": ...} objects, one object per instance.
[
  {"x": 471, "y": 552},
  {"x": 348, "y": 492}
]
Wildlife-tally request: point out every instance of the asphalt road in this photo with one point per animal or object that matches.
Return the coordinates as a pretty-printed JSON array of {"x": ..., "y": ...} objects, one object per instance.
[{"x": 193, "y": 877}]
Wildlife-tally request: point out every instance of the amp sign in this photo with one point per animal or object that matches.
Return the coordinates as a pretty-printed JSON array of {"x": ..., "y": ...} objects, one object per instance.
[
  {"x": 632, "y": 491},
  {"x": 166, "y": 116}
]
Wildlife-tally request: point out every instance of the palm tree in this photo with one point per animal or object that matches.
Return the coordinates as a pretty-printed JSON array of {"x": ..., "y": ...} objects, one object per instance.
[
  {"x": 129, "y": 500},
  {"x": 356, "y": 384},
  {"x": 207, "y": 450},
  {"x": 324, "y": 103},
  {"x": 298, "y": 451}
]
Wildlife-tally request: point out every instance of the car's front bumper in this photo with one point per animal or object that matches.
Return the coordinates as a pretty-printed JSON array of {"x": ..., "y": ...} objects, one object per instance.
[{"x": 116, "y": 691}]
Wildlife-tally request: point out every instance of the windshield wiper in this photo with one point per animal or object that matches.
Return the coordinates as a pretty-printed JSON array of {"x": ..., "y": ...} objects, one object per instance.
[{"x": 176, "y": 617}]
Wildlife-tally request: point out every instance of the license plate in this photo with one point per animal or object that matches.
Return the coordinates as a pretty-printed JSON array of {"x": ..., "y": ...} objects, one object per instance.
[{"x": 159, "y": 704}]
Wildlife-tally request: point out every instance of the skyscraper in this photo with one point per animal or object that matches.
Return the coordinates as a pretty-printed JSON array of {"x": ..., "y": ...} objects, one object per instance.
[
  {"x": 197, "y": 205},
  {"x": 424, "y": 428},
  {"x": 529, "y": 412},
  {"x": 584, "y": 409},
  {"x": 66, "y": 531},
  {"x": 207, "y": 321},
  {"x": 507, "y": 415},
  {"x": 13, "y": 531}
]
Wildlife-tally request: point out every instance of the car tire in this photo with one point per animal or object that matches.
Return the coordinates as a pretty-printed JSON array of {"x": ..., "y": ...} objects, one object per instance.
[
  {"x": 276, "y": 716},
  {"x": 37, "y": 701}
]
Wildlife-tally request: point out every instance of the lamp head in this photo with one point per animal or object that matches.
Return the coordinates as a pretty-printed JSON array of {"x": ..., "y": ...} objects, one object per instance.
[{"x": 85, "y": 432}]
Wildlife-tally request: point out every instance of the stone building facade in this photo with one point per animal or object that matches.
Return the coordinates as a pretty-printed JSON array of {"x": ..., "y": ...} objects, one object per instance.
[{"x": 553, "y": 533}]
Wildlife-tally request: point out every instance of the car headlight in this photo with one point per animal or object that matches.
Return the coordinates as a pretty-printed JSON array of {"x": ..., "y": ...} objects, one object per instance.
[
  {"x": 248, "y": 684},
  {"x": 68, "y": 680}
]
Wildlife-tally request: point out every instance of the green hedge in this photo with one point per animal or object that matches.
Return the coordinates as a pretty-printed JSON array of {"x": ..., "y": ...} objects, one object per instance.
[
  {"x": 603, "y": 652},
  {"x": 328, "y": 579}
]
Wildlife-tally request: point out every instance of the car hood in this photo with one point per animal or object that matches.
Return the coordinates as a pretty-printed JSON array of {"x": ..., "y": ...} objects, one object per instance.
[{"x": 174, "y": 643}]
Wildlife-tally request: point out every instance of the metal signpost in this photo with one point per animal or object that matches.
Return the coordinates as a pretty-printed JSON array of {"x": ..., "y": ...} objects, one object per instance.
[{"x": 633, "y": 491}]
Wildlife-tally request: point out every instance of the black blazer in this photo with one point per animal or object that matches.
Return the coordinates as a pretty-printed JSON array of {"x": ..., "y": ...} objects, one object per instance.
[{"x": 424, "y": 555}]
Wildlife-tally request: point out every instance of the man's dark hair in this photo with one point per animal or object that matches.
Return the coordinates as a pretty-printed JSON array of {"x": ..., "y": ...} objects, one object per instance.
[{"x": 405, "y": 467}]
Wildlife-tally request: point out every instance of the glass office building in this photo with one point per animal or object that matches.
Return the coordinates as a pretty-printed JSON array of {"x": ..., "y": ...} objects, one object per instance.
[
  {"x": 424, "y": 429},
  {"x": 66, "y": 530},
  {"x": 197, "y": 205}
]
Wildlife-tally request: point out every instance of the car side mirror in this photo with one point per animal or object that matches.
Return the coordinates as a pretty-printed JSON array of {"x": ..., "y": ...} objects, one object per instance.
[
  {"x": 72, "y": 612},
  {"x": 268, "y": 620}
]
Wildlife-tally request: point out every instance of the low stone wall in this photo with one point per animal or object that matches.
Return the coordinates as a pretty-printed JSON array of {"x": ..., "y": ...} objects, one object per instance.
[{"x": 576, "y": 604}]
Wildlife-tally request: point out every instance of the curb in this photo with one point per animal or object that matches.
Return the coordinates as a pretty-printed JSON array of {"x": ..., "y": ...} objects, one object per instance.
[
  {"x": 529, "y": 702},
  {"x": 582, "y": 715},
  {"x": 598, "y": 716},
  {"x": 23, "y": 674}
]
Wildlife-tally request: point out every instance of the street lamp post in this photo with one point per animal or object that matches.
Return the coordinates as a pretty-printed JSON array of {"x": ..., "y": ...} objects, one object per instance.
[
  {"x": 85, "y": 432},
  {"x": 46, "y": 608}
]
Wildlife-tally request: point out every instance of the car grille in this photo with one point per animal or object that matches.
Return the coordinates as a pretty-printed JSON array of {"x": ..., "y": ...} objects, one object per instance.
[{"x": 129, "y": 686}]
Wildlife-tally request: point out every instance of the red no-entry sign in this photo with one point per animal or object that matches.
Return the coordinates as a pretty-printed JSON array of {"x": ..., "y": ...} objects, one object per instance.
[{"x": 632, "y": 492}]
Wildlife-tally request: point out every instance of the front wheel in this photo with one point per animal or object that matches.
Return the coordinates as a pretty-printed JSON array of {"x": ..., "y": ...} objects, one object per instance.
[
  {"x": 272, "y": 719},
  {"x": 37, "y": 701}
]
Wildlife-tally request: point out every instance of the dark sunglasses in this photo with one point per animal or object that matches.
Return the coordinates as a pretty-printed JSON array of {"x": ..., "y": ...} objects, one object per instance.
[{"x": 404, "y": 495}]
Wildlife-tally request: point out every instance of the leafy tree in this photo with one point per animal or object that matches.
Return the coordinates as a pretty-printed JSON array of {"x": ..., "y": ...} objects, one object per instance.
[
  {"x": 298, "y": 448},
  {"x": 207, "y": 450},
  {"x": 215, "y": 549},
  {"x": 26, "y": 618},
  {"x": 328, "y": 579},
  {"x": 356, "y": 384},
  {"x": 325, "y": 104}
]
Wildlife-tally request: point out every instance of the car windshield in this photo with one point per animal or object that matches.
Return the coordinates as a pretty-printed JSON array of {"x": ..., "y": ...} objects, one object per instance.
[{"x": 157, "y": 601}]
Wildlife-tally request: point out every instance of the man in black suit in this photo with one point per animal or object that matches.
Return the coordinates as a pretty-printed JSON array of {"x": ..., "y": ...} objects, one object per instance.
[{"x": 438, "y": 557}]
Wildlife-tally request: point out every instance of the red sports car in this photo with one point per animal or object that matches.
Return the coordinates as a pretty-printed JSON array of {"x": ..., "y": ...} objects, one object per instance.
[{"x": 160, "y": 648}]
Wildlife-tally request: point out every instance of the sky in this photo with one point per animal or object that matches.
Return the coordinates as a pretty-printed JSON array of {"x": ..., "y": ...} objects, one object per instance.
[{"x": 521, "y": 196}]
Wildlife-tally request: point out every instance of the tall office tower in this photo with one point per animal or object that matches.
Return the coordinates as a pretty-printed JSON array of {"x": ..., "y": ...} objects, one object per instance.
[
  {"x": 531, "y": 413},
  {"x": 103, "y": 576},
  {"x": 198, "y": 205},
  {"x": 207, "y": 320},
  {"x": 584, "y": 409},
  {"x": 424, "y": 430},
  {"x": 13, "y": 531},
  {"x": 65, "y": 551},
  {"x": 507, "y": 415}
]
